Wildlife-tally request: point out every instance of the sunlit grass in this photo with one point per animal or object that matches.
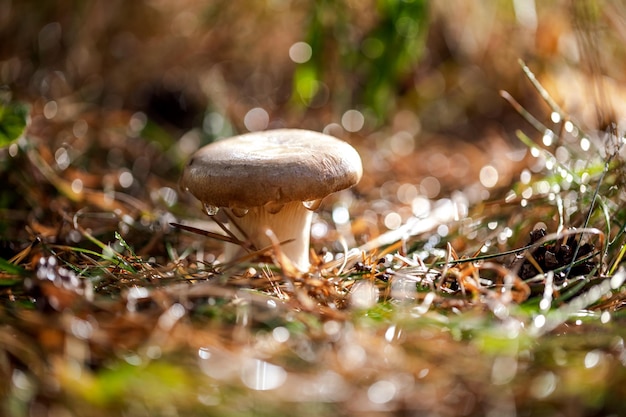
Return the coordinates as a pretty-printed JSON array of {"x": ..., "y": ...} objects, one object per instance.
[{"x": 432, "y": 291}]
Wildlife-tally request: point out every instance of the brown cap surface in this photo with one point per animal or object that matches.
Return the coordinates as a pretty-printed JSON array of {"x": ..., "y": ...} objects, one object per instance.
[{"x": 274, "y": 166}]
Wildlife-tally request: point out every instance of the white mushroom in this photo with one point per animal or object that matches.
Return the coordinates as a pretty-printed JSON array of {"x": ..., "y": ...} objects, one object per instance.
[{"x": 271, "y": 180}]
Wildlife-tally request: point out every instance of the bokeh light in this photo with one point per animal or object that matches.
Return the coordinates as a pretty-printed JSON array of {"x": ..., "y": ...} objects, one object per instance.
[
  {"x": 352, "y": 120},
  {"x": 300, "y": 52},
  {"x": 489, "y": 176},
  {"x": 256, "y": 119}
]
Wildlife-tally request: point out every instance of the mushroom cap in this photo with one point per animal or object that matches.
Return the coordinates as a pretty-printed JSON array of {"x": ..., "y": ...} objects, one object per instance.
[{"x": 271, "y": 167}]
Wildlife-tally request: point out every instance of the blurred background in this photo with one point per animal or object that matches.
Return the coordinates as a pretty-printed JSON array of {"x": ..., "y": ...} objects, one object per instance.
[
  {"x": 121, "y": 93},
  {"x": 103, "y": 309}
]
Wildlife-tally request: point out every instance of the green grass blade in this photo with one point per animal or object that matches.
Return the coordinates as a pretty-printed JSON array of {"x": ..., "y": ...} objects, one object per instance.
[
  {"x": 13, "y": 120},
  {"x": 10, "y": 268}
]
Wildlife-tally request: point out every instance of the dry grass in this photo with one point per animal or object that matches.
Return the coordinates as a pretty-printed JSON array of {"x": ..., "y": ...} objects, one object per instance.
[{"x": 480, "y": 272}]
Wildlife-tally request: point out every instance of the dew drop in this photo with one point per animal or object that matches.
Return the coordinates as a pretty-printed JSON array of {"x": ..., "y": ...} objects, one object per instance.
[
  {"x": 592, "y": 359},
  {"x": 239, "y": 212},
  {"x": 555, "y": 117},
  {"x": 262, "y": 376},
  {"x": 363, "y": 295},
  {"x": 543, "y": 385},
  {"x": 210, "y": 209},
  {"x": 381, "y": 392},
  {"x": 312, "y": 204}
]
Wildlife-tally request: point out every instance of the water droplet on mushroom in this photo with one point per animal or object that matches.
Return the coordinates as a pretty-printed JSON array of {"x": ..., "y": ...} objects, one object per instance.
[
  {"x": 239, "y": 212},
  {"x": 312, "y": 204},
  {"x": 210, "y": 209},
  {"x": 274, "y": 208}
]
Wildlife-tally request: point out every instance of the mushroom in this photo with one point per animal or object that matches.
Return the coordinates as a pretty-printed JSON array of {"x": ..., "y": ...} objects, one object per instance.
[{"x": 271, "y": 180}]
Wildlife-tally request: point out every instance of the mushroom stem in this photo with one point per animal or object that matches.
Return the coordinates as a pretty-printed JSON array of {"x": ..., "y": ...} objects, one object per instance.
[{"x": 292, "y": 222}]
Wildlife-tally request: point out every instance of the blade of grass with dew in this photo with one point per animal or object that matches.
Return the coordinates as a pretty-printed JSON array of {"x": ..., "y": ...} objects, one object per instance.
[
  {"x": 483, "y": 257},
  {"x": 589, "y": 213},
  {"x": 579, "y": 262},
  {"x": 545, "y": 239},
  {"x": 542, "y": 91},
  {"x": 574, "y": 287},
  {"x": 545, "y": 323},
  {"x": 111, "y": 255},
  {"x": 607, "y": 220},
  {"x": 124, "y": 244},
  {"x": 540, "y": 127},
  {"x": 556, "y": 108},
  {"x": 114, "y": 258},
  {"x": 130, "y": 250},
  {"x": 108, "y": 252},
  {"x": 547, "y": 155},
  {"x": 618, "y": 259}
]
